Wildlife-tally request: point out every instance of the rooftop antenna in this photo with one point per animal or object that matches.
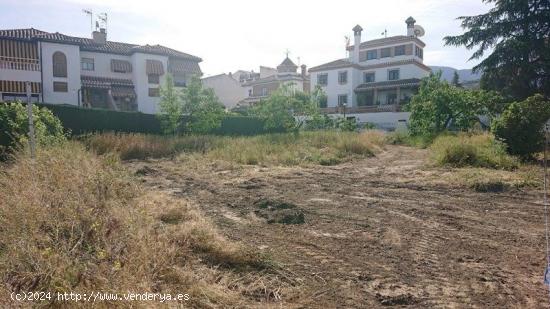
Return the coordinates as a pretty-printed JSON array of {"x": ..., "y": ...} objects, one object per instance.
[
  {"x": 385, "y": 33},
  {"x": 347, "y": 39},
  {"x": 102, "y": 20},
  {"x": 91, "y": 14}
]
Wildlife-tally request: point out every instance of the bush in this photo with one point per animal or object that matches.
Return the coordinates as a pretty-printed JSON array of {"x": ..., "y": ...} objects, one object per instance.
[
  {"x": 521, "y": 126},
  {"x": 471, "y": 150},
  {"x": 14, "y": 127},
  {"x": 403, "y": 137}
]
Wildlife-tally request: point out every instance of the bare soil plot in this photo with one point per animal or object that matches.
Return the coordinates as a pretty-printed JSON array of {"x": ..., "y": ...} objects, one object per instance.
[{"x": 384, "y": 231}]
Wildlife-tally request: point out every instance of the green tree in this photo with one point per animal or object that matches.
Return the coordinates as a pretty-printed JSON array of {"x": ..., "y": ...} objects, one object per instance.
[
  {"x": 518, "y": 32},
  {"x": 171, "y": 107},
  {"x": 14, "y": 127},
  {"x": 438, "y": 105},
  {"x": 456, "y": 80},
  {"x": 204, "y": 110},
  {"x": 521, "y": 126},
  {"x": 288, "y": 108}
]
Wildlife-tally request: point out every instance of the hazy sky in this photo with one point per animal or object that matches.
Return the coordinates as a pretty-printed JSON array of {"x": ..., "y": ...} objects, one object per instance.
[{"x": 244, "y": 34}]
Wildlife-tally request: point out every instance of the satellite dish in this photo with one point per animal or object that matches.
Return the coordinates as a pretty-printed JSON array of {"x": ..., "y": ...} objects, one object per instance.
[{"x": 419, "y": 31}]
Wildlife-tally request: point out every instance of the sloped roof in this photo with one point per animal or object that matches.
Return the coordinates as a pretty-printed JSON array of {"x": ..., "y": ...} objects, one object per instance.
[
  {"x": 340, "y": 63},
  {"x": 288, "y": 63},
  {"x": 277, "y": 77},
  {"x": 389, "y": 84},
  {"x": 345, "y": 63},
  {"x": 86, "y": 44}
]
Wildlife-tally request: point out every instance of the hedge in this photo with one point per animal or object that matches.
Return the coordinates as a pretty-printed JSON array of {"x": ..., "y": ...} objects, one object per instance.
[{"x": 84, "y": 120}]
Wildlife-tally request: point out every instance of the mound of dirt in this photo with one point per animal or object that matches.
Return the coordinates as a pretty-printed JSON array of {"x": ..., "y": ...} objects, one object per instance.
[{"x": 279, "y": 212}]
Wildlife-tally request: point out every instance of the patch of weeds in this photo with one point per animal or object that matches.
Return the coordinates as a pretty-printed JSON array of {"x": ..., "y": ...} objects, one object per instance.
[
  {"x": 279, "y": 212},
  {"x": 489, "y": 186},
  {"x": 172, "y": 216}
]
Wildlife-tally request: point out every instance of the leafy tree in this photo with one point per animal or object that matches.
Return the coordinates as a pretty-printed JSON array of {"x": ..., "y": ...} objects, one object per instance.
[
  {"x": 171, "y": 107},
  {"x": 521, "y": 126},
  {"x": 203, "y": 108},
  {"x": 14, "y": 127},
  {"x": 438, "y": 105},
  {"x": 518, "y": 31},
  {"x": 288, "y": 108},
  {"x": 456, "y": 80}
]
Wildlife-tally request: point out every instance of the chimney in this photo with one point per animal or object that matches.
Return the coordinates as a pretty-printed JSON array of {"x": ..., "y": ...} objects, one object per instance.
[
  {"x": 410, "y": 26},
  {"x": 356, "y": 44},
  {"x": 304, "y": 71},
  {"x": 100, "y": 37}
]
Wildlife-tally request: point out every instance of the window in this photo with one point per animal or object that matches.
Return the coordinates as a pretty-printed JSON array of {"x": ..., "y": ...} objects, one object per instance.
[
  {"x": 264, "y": 92},
  {"x": 87, "y": 64},
  {"x": 369, "y": 77},
  {"x": 399, "y": 50},
  {"x": 372, "y": 54},
  {"x": 342, "y": 99},
  {"x": 391, "y": 98},
  {"x": 154, "y": 92},
  {"x": 362, "y": 56},
  {"x": 385, "y": 52},
  {"x": 393, "y": 74},
  {"x": 419, "y": 52},
  {"x": 322, "y": 79},
  {"x": 153, "y": 78},
  {"x": 59, "y": 61},
  {"x": 60, "y": 87},
  {"x": 343, "y": 77}
]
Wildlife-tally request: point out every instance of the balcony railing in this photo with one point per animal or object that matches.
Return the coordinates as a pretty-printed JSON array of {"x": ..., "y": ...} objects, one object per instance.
[
  {"x": 23, "y": 64},
  {"x": 363, "y": 109}
]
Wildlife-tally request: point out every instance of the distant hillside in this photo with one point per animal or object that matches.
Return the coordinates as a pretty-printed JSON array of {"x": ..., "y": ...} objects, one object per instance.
[{"x": 464, "y": 75}]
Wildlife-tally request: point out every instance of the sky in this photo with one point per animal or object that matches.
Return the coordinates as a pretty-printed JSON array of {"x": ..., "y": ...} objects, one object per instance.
[{"x": 244, "y": 34}]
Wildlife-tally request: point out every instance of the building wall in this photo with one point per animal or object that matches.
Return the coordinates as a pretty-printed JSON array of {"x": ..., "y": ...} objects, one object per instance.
[
  {"x": 146, "y": 104},
  {"x": 228, "y": 90},
  {"x": 333, "y": 89},
  {"x": 72, "y": 52},
  {"x": 409, "y": 53},
  {"x": 405, "y": 72},
  {"x": 102, "y": 65}
]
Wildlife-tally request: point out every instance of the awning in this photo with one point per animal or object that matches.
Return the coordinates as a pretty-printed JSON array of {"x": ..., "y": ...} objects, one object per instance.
[
  {"x": 154, "y": 67},
  {"x": 119, "y": 87},
  {"x": 184, "y": 66},
  {"x": 121, "y": 66},
  {"x": 11, "y": 86},
  {"x": 411, "y": 82},
  {"x": 123, "y": 92}
]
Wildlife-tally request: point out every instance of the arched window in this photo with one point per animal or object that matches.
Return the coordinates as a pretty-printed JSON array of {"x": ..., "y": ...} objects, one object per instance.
[{"x": 59, "y": 61}]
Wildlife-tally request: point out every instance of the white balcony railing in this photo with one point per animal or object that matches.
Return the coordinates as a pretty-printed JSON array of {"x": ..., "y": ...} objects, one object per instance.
[{"x": 23, "y": 64}]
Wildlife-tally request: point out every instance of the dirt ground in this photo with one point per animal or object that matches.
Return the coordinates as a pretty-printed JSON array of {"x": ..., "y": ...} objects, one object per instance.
[{"x": 383, "y": 231}]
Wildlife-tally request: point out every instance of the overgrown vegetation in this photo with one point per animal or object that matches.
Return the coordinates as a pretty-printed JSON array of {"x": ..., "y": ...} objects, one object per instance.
[
  {"x": 521, "y": 126},
  {"x": 479, "y": 150},
  {"x": 202, "y": 110},
  {"x": 14, "y": 127},
  {"x": 71, "y": 222},
  {"x": 320, "y": 147}
]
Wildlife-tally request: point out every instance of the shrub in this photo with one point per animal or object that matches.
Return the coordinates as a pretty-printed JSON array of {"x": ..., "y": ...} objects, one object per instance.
[
  {"x": 14, "y": 127},
  {"x": 403, "y": 137},
  {"x": 471, "y": 150},
  {"x": 521, "y": 126}
]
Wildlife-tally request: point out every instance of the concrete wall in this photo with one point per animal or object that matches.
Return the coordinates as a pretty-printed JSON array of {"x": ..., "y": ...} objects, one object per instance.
[
  {"x": 385, "y": 121},
  {"x": 333, "y": 89},
  {"x": 228, "y": 90},
  {"x": 146, "y": 104},
  {"x": 72, "y": 52}
]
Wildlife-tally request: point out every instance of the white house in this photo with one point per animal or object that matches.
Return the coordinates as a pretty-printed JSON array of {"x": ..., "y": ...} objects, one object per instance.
[
  {"x": 377, "y": 78},
  {"x": 88, "y": 72},
  {"x": 228, "y": 89}
]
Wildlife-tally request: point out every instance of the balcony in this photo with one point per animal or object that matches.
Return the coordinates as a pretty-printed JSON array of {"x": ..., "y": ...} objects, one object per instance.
[
  {"x": 21, "y": 64},
  {"x": 363, "y": 109}
]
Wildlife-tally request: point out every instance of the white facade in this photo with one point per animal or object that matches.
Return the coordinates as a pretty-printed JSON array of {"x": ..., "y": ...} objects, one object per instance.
[
  {"x": 114, "y": 75},
  {"x": 72, "y": 54},
  {"x": 228, "y": 90},
  {"x": 376, "y": 80}
]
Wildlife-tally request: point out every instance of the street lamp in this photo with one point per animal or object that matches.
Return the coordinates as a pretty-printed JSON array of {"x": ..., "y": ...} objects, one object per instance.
[{"x": 344, "y": 106}]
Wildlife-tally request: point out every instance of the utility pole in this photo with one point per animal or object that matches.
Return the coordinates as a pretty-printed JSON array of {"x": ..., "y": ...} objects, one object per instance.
[{"x": 31, "y": 120}]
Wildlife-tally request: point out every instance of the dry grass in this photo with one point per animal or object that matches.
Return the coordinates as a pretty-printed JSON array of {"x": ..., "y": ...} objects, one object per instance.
[
  {"x": 324, "y": 147},
  {"x": 471, "y": 150},
  {"x": 72, "y": 221}
]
